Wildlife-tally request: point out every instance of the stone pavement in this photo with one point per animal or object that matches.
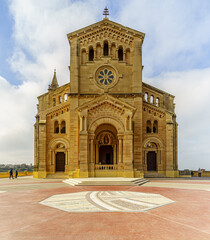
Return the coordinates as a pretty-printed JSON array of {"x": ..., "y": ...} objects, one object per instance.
[{"x": 119, "y": 212}]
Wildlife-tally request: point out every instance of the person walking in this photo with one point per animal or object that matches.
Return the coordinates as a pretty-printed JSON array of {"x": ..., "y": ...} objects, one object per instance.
[
  {"x": 16, "y": 173},
  {"x": 11, "y": 174}
]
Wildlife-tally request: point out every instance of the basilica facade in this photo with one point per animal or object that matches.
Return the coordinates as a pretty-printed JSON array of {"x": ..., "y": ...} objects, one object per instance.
[{"x": 105, "y": 122}]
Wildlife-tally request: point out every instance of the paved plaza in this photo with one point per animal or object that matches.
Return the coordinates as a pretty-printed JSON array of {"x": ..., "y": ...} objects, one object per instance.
[{"x": 162, "y": 209}]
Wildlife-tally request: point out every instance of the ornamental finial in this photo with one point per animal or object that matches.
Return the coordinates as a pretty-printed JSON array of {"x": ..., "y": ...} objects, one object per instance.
[{"x": 106, "y": 12}]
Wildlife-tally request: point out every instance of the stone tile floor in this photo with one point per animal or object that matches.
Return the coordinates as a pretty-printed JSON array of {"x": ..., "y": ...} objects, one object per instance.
[{"x": 23, "y": 217}]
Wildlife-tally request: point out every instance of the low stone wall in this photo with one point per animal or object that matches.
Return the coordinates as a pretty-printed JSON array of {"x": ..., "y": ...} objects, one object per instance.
[
  {"x": 189, "y": 173},
  {"x": 203, "y": 173},
  {"x": 20, "y": 174}
]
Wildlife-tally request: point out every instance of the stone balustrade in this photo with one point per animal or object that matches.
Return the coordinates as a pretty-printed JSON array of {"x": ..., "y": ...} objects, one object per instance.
[{"x": 106, "y": 167}]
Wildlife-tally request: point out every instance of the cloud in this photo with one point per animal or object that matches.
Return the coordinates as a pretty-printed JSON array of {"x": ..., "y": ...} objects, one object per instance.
[
  {"x": 40, "y": 45},
  {"x": 175, "y": 55},
  {"x": 191, "y": 90},
  {"x": 175, "y": 33}
]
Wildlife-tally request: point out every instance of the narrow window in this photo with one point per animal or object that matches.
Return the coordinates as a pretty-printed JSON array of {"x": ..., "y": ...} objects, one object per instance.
[
  {"x": 106, "y": 49},
  {"x": 63, "y": 127},
  {"x": 54, "y": 102},
  {"x": 120, "y": 54},
  {"x": 56, "y": 127},
  {"x": 60, "y": 99},
  {"x": 157, "y": 102},
  {"x": 155, "y": 127},
  {"x": 113, "y": 51},
  {"x": 148, "y": 127},
  {"x": 65, "y": 97},
  {"x": 98, "y": 51},
  {"x": 83, "y": 57},
  {"x": 127, "y": 56},
  {"x": 91, "y": 54},
  {"x": 146, "y": 96},
  {"x": 152, "y": 99}
]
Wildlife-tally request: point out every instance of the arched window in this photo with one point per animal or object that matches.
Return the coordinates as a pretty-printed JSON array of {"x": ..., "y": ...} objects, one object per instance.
[
  {"x": 106, "y": 48},
  {"x": 65, "y": 97},
  {"x": 54, "y": 102},
  {"x": 113, "y": 51},
  {"x": 83, "y": 59},
  {"x": 91, "y": 54},
  {"x": 60, "y": 99},
  {"x": 63, "y": 127},
  {"x": 157, "y": 102},
  {"x": 152, "y": 99},
  {"x": 98, "y": 51},
  {"x": 127, "y": 56},
  {"x": 146, "y": 96},
  {"x": 56, "y": 127},
  {"x": 155, "y": 127},
  {"x": 149, "y": 126},
  {"x": 120, "y": 54}
]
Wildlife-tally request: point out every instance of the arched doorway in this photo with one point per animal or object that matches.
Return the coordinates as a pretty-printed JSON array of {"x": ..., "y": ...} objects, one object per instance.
[
  {"x": 60, "y": 162},
  {"x": 153, "y": 157},
  {"x": 106, "y": 145},
  {"x": 151, "y": 161},
  {"x": 106, "y": 154}
]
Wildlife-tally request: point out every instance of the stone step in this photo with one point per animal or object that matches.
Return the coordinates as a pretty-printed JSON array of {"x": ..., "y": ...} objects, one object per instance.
[
  {"x": 140, "y": 181},
  {"x": 154, "y": 175},
  {"x": 106, "y": 181},
  {"x": 58, "y": 175}
]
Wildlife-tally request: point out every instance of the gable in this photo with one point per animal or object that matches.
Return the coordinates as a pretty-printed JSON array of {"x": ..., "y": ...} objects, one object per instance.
[
  {"x": 106, "y": 25},
  {"x": 106, "y": 102}
]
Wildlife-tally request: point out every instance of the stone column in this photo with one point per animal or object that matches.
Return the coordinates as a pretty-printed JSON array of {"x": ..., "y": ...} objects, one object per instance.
[
  {"x": 91, "y": 164},
  {"x": 81, "y": 124},
  {"x": 91, "y": 150},
  {"x": 114, "y": 153},
  {"x": 120, "y": 151},
  {"x": 97, "y": 153},
  {"x": 130, "y": 123},
  {"x": 85, "y": 123}
]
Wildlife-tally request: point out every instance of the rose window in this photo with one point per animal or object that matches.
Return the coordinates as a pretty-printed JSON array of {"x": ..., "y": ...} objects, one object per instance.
[{"x": 105, "y": 77}]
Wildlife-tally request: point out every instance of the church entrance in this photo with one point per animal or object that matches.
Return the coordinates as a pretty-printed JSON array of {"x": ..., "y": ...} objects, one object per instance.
[
  {"x": 151, "y": 161},
  {"x": 60, "y": 162},
  {"x": 106, "y": 154}
]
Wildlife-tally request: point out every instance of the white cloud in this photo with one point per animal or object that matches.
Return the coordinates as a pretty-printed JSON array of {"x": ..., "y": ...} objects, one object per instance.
[
  {"x": 191, "y": 90},
  {"x": 176, "y": 41}
]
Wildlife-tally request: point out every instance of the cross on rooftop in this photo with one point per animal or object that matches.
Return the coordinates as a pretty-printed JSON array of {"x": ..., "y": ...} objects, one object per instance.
[{"x": 106, "y": 12}]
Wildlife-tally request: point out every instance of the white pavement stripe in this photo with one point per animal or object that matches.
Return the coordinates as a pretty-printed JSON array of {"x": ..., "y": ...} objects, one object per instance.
[{"x": 98, "y": 201}]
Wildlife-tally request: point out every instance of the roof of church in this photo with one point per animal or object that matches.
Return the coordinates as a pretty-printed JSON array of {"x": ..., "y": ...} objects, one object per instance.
[{"x": 106, "y": 22}]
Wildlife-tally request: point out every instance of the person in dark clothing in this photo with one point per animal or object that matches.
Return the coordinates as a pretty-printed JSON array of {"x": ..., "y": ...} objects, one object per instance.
[
  {"x": 16, "y": 173},
  {"x": 11, "y": 174}
]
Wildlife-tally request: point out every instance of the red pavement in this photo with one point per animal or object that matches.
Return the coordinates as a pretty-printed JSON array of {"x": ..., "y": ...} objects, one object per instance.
[{"x": 22, "y": 217}]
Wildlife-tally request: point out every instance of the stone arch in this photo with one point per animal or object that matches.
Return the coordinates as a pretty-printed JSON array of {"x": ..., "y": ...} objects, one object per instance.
[
  {"x": 106, "y": 120},
  {"x": 152, "y": 139},
  {"x": 58, "y": 146},
  {"x": 53, "y": 143},
  {"x": 153, "y": 150}
]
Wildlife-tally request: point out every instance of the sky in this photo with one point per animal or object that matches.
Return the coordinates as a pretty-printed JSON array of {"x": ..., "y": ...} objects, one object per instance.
[{"x": 176, "y": 59}]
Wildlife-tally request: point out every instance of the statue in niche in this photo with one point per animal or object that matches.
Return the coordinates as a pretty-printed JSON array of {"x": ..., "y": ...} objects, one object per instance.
[{"x": 106, "y": 139}]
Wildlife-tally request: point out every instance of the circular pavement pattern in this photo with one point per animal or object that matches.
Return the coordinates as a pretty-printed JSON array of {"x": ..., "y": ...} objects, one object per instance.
[{"x": 106, "y": 201}]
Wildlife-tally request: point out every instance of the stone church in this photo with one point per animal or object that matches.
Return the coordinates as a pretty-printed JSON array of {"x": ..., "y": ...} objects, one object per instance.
[{"x": 105, "y": 122}]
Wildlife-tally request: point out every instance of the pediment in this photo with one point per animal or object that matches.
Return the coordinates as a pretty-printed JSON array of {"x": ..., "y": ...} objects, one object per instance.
[
  {"x": 106, "y": 103},
  {"x": 105, "y": 25}
]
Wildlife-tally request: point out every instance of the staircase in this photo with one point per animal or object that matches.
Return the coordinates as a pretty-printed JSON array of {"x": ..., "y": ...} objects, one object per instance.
[
  {"x": 58, "y": 175},
  {"x": 154, "y": 174},
  {"x": 106, "y": 181}
]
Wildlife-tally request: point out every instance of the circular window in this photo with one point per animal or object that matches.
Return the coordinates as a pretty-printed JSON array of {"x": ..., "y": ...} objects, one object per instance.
[{"x": 106, "y": 77}]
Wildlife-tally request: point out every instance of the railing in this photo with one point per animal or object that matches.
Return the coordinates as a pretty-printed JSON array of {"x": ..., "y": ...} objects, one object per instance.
[{"x": 105, "y": 167}]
